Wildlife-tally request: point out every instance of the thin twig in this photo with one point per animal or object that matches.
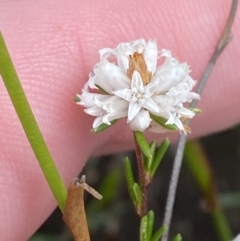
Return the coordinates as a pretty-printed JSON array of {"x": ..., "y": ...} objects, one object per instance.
[
  {"x": 222, "y": 43},
  {"x": 142, "y": 179}
]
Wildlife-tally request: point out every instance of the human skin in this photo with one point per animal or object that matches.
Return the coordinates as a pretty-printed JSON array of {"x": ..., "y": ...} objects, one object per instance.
[{"x": 54, "y": 45}]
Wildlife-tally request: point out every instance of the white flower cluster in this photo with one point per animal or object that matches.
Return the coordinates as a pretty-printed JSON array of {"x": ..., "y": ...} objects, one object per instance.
[{"x": 132, "y": 86}]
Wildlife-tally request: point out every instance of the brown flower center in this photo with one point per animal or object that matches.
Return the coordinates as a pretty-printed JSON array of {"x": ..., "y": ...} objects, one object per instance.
[{"x": 137, "y": 62}]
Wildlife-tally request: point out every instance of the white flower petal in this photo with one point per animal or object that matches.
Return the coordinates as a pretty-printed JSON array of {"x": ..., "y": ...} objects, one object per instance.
[
  {"x": 106, "y": 52},
  {"x": 126, "y": 49},
  {"x": 150, "y": 89},
  {"x": 141, "y": 121},
  {"x": 133, "y": 110},
  {"x": 176, "y": 121},
  {"x": 116, "y": 106},
  {"x": 192, "y": 96},
  {"x": 165, "y": 103},
  {"x": 137, "y": 83},
  {"x": 109, "y": 77},
  {"x": 124, "y": 93},
  {"x": 138, "y": 45},
  {"x": 97, "y": 122},
  {"x": 150, "y": 105},
  {"x": 151, "y": 55},
  {"x": 123, "y": 53},
  {"x": 170, "y": 77},
  {"x": 88, "y": 99},
  {"x": 184, "y": 112},
  {"x": 94, "y": 111},
  {"x": 179, "y": 124},
  {"x": 107, "y": 118}
]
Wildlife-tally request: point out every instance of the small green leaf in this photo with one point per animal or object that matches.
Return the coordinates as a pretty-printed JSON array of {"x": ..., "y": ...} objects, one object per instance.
[
  {"x": 162, "y": 121},
  {"x": 196, "y": 110},
  {"x": 137, "y": 193},
  {"x": 158, "y": 156},
  {"x": 143, "y": 229},
  {"x": 128, "y": 172},
  {"x": 158, "y": 234},
  {"x": 141, "y": 141},
  {"x": 153, "y": 146},
  {"x": 77, "y": 99},
  {"x": 177, "y": 238},
  {"x": 150, "y": 222},
  {"x": 129, "y": 178},
  {"x": 103, "y": 126},
  {"x": 102, "y": 90}
]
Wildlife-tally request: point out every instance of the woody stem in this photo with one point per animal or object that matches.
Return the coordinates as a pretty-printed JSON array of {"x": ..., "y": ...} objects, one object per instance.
[{"x": 142, "y": 179}]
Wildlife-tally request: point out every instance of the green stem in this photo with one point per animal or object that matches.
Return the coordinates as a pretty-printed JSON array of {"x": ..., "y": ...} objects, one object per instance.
[
  {"x": 30, "y": 126},
  {"x": 201, "y": 170}
]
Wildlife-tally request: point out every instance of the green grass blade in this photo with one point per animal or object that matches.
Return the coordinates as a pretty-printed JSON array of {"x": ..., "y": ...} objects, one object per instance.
[
  {"x": 30, "y": 125},
  {"x": 202, "y": 173}
]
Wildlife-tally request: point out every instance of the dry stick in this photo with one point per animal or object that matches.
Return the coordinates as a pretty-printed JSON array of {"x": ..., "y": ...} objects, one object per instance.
[
  {"x": 224, "y": 40},
  {"x": 142, "y": 179}
]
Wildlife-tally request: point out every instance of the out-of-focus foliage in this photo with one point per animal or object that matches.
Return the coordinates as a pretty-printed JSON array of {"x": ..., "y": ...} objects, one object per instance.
[{"x": 114, "y": 218}]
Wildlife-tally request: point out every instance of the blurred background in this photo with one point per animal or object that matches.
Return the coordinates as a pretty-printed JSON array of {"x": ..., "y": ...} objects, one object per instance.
[{"x": 204, "y": 210}]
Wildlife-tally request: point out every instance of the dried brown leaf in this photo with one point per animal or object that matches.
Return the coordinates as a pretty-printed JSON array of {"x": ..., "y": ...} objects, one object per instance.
[{"x": 74, "y": 213}]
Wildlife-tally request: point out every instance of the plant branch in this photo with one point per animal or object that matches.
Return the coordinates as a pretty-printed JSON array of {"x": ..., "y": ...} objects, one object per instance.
[
  {"x": 222, "y": 43},
  {"x": 142, "y": 179}
]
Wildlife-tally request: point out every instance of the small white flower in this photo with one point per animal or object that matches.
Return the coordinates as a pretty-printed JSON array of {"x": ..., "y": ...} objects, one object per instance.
[
  {"x": 138, "y": 96},
  {"x": 106, "y": 107},
  {"x": 133, "y": 86}
]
